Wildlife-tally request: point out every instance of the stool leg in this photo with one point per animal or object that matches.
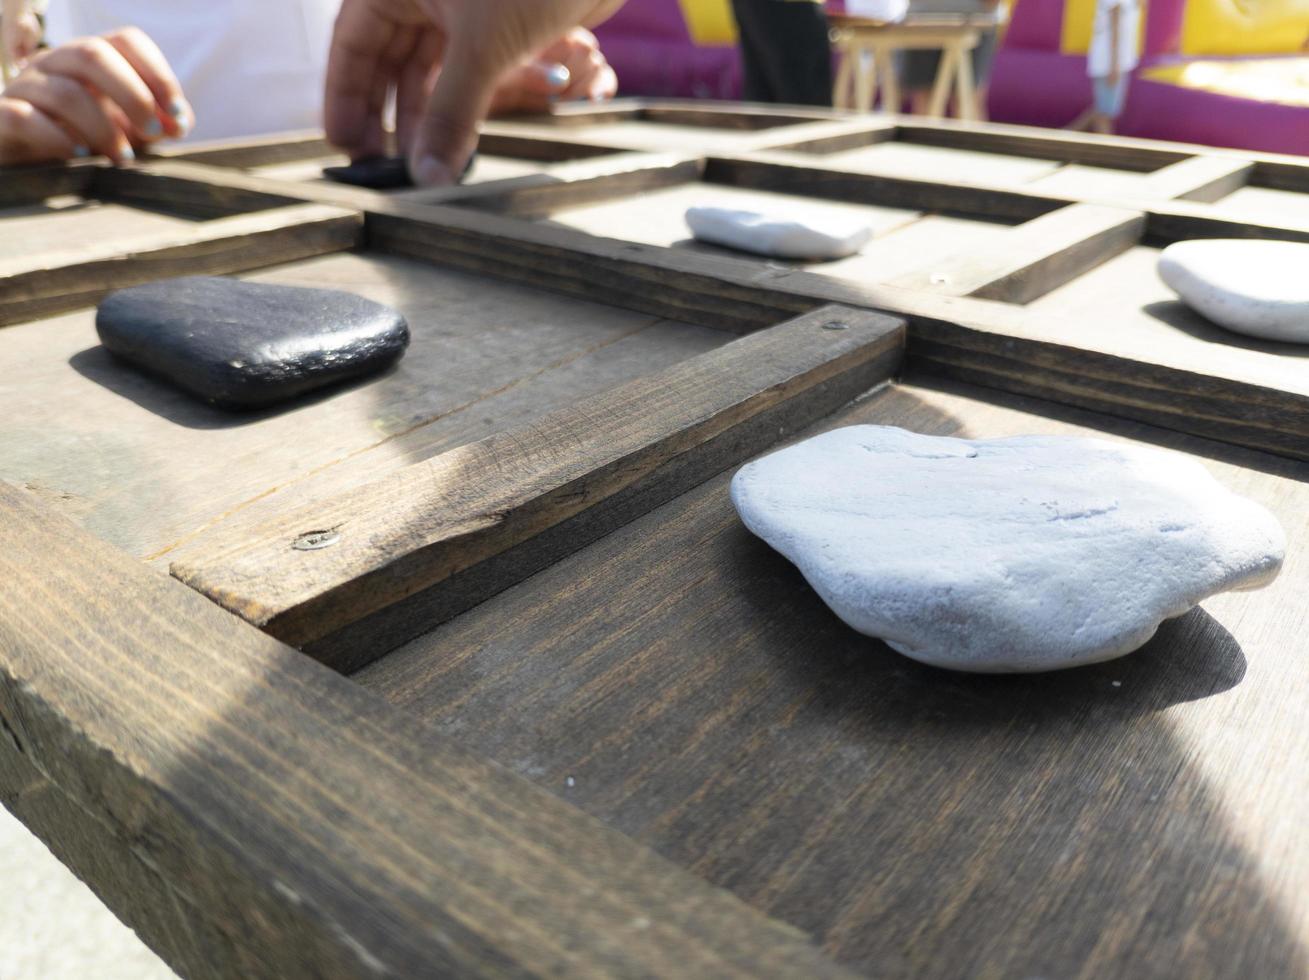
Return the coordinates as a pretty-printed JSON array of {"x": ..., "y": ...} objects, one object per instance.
[
  {"x": 965, "y": 91},
  {"x": 865, "y": 83},
  {"x": 844, "y": 80},
  {"x": 890, "y": 84},
  {"x": 944, "y": 75}
]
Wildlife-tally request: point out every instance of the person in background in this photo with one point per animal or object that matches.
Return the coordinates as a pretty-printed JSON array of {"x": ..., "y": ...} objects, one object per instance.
[
  {"x": 918, "y": 68},
  {"x": 786, "y": 55},
  {"x": 228, "y": 68},
  {"x": 1115, "y": 37}
]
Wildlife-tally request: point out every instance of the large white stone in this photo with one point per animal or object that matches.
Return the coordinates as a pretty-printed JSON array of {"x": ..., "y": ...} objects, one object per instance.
[
  {"x": 1253, "y": 287},
  {"x": 1023, "y": 554},
  {"x": 780, "y": 235}
]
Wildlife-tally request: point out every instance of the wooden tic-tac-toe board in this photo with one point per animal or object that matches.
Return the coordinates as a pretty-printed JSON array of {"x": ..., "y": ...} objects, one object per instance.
[{"x": 533, "y": 701}]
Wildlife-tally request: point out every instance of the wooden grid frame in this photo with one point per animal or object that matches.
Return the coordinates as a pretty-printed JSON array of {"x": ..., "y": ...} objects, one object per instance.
[{"x": 251, "y": 811}]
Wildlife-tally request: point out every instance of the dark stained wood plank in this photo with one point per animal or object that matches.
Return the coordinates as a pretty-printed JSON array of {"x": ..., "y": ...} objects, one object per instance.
[
  {"x": 1259, "y": 401},
  {"x": 550, "y": 485},
  {"x": 31, "y": 185},
  {"x": 183, "y": 188},
  {"x": 1033, "y": 258},
  {"x": 78, "y": 275},
  {"x": 682, "y": 682},
  {"x": 149, "y": 468},
  {"x": 298, "y": 825}
]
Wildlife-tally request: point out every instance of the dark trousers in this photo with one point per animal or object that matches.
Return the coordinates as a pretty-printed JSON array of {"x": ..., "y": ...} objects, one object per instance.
[{"x": 785, "y": 52}]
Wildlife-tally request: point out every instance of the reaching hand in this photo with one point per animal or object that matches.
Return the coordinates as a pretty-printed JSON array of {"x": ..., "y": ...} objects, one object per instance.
[
  {"x": 446, "y": 59},
  {"x": 571, "y": 68},
  {"x": 93, "y": 95}
]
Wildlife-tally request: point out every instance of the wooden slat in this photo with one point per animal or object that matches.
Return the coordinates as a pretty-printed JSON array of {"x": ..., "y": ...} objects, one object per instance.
[
  {"x": 299, "y": 825},
  {"x": 1201, "y": 178},
  {"x": 31, "y": 185},
  {"x": 182, "y": 188},
  {"x": 32, "y": 286},
  {"x": 793, "y": 177},
  {"x": 246, "y": 152},
  {"x": 551, "y": 486},
  {"x": 540, "y": 195},
  {"x": 1119, "y": 152},
  {"x": 1036, "y": 257},
  {"x": 1139, "y": 818},
  {"x": 1265, "y": 397}
]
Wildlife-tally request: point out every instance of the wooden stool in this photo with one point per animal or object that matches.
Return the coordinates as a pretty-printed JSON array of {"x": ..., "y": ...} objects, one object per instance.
[{"x": 857, "y": 41}]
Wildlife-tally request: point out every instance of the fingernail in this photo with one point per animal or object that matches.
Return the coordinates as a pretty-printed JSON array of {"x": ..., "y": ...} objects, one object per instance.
[
  {"x": 177, "y": 109},
  {"x": 126, "y": 155},
  {"x": 153, "y": 129},
  {"x": 81, "y": 151},
  {"x": 429, "y": 172},
  {"x": 558, "y": 75}
]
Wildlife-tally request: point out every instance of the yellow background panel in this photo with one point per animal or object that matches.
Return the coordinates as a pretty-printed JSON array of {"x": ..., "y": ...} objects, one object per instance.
[
  {"x": 1281, "y": 80},
  {"x": 709, "y": 21},
  {"x": 1079, "y": 18},
  {"x": 1245, "y": 26}
]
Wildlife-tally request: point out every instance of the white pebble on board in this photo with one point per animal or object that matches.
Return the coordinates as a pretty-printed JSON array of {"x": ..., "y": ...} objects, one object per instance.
[
  {"x": 1023, "y": 554},
  {"x": 1259, "y": 288},
  {"x": 778, "y": 235}
]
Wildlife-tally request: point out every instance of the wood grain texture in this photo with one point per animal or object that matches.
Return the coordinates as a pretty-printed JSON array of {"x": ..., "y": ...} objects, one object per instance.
[
  {"x": 1255, "y": 399},
  {"x": 637, "y": 444},
  {"x": 44, "y": 284},
  {"x": 298, "y": 825},
  {"x": 1136, "y": 818},
  {"x": 150, "y": 469},
  {"x": 1034, "y": 257}
]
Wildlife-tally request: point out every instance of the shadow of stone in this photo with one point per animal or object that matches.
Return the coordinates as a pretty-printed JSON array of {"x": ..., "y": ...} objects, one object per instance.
[
  {"x": 1181, "y": 317},
  {"x": 155, "y": 395}
]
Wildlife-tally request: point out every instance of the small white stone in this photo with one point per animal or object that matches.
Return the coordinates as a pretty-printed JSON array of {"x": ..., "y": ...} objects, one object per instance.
[
  {"x": 1253, "y": 287},
  {"x": 1023, "y": 554},
  {"x": 786, "y": 236}
]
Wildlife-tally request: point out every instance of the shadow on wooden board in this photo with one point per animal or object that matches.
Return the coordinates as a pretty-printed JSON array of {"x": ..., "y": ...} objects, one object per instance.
[{"x": 681, "y": 681}]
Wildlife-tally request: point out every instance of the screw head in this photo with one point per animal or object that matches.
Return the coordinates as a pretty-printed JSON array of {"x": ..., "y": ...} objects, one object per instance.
[
  {"x": 314, "y": 540},
  {"x": 836, "y": 325}
]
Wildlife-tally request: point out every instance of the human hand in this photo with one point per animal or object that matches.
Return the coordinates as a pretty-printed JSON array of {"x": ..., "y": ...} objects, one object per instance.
[
  {"x": 102, "y": 95},
  {"x": 572, "y": 68},
  {"x": 378, "y": 44},
  {"x": 20, "y": 32}
]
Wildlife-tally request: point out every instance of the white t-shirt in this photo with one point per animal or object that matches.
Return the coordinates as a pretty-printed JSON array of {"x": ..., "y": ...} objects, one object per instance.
[
  {"x": 247, "y": 66},
  {"x": 1129, "y": 27}
]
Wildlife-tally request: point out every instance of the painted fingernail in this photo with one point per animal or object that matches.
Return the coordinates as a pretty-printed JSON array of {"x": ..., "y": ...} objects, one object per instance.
[
  {"x": 81, "y": 151},
  {"x": 153, "y": 129},
  {"x": 177, "y": 109},
  {"x": 558, "y": 75},
  {"x": 126, "y": 155},
  {"x": 429, "y": 171}
]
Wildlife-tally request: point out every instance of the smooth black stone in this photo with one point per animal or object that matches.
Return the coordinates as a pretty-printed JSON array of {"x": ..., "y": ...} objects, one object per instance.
[
  {"x": 243, "y": 345},
  {"x": 380, "y": 173},
  {"x": 376, "y": 173}
]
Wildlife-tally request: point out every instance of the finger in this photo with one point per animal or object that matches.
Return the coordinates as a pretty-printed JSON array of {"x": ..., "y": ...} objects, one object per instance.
[
  {"x": 27, "y": 135},
  {"x": 85, "y": 116},
  {"x": 354, "y": 60},
  {"x": 172, "y": 110},
  {"x": 95, "y": 62},
  {"x": 447, "y": 134},
  {"x": 414, "y": 88}
]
